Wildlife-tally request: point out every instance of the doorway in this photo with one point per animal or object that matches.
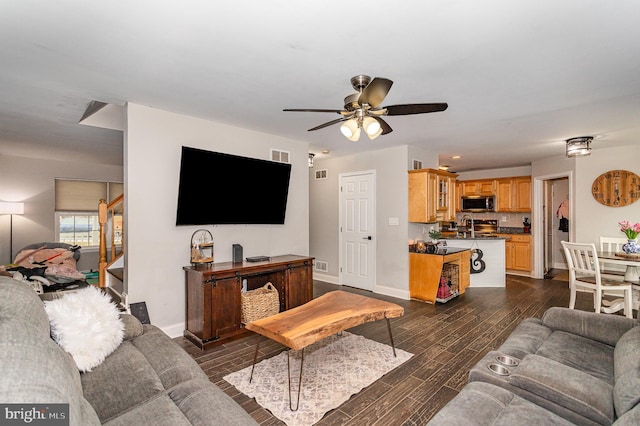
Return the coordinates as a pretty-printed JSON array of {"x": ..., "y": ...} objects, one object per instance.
[
  {"x": 357, "y": 229},
  {"x": 555, "y": 224}
]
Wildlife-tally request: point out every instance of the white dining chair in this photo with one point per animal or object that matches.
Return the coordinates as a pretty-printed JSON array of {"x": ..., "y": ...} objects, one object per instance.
[
  {"x": 584, "y": 275},
  {"x": 614, "y": 245}
]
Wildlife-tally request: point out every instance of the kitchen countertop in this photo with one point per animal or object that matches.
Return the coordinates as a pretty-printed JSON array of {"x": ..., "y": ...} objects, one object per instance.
[{"x": 442, "y": 251}]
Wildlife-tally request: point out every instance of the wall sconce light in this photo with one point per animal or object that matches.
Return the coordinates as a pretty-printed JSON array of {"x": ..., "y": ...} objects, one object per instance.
[
  {"x": 11, "y": 209},
  {"x": 580, "y": 146},
  {"x": 311, "y": 155}
]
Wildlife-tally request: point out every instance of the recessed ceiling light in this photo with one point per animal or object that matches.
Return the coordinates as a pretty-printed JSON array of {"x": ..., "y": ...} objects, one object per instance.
[
  {"x": 325, "y": 151},
  {"x": 455, "y": 157}
]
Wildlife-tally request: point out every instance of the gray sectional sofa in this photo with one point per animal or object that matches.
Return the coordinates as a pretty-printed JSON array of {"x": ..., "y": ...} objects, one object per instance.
[
  {"x": 567, "y": 368},
  {"x": 148, "y": 380}
]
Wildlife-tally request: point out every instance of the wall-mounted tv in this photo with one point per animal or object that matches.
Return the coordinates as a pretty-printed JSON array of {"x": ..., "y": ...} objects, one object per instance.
[{"x": 224, "y": 189}]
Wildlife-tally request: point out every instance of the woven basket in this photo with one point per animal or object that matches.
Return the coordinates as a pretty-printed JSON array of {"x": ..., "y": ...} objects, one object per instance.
[{"x": 260, "y": 303}]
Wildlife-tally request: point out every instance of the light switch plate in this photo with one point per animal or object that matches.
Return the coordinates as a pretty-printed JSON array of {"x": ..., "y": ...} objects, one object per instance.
[{"x": 394, "y": 221}]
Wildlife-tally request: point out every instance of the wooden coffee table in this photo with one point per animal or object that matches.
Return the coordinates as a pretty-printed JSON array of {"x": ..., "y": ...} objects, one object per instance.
[{"x": 322, "y": 317}]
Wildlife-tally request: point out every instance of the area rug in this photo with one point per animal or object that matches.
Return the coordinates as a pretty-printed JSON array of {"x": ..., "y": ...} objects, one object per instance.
[{"x": 334, "y": 369}]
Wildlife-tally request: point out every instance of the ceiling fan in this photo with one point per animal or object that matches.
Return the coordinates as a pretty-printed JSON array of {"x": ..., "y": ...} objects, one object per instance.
[{"x": 362, "y": 110}]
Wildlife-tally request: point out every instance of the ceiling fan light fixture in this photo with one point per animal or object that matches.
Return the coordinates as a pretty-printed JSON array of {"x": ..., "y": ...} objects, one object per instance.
[
  {"x": 350, "y": 129},
  {"x": 580, "y": 146},
  {"x": 355, "y": 136},
  {"x": 372, "y": 127}
]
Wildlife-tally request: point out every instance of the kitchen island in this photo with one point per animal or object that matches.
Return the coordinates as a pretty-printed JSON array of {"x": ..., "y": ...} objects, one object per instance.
[
  {"x": 488, "y": 267},
  {"x": 439, "y": 276}
]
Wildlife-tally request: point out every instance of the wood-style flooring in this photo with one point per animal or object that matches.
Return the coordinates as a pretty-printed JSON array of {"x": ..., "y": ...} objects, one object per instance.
[{"x": 446, "y": 340}]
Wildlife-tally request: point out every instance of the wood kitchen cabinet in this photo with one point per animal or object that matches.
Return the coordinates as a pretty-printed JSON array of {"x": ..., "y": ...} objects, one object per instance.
[
  {"x": 426, "y": 269},
  {"x": 513, "y": 194},
  {"x": 478, "y": 187},
  {"x": 213, "y": 302},
  {"x": 432, "y": 195},
  {"x": 517, "y": 251}
]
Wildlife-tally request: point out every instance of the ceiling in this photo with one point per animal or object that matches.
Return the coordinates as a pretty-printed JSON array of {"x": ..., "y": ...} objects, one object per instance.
[{"x": 520, "y": 77}]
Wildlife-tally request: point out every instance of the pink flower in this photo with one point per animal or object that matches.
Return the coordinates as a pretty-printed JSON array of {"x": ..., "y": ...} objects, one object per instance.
[{"x": 631, "y": 231}]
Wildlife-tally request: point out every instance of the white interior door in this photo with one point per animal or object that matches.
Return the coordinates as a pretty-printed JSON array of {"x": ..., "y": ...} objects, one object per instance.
[{"x": 357, "y": 230}]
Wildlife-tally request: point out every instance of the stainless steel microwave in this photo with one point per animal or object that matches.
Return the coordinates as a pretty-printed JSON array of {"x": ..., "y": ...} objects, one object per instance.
[{"x": 478, "y": 203}]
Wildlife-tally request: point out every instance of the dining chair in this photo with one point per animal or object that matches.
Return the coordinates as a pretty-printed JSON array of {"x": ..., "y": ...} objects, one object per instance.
[
  {"x": 584, "y": 275},
  {"x": 611, "y": 244}
]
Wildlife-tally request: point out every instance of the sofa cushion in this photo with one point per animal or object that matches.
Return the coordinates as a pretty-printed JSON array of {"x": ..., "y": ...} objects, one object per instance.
[
  {"x": 36, "y": 370},
  {"x": 485, "y": 404},
  {"x": 581, "y": 353},
  {"x": 626, "y": 392},
  {"x": 526, "y": 338},
  {"x": 155, "y": 361},
  {"x": 132, "y": 326},
  {"x": 196, "y": 401},
  {"x": 602, "y": 328},
  {"x": 19, "y": 301},
  {"x": 565, "y": 386}
]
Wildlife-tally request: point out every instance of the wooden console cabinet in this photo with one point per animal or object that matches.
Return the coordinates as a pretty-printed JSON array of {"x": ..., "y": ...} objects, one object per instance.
[{"x": 213, "y": 304}]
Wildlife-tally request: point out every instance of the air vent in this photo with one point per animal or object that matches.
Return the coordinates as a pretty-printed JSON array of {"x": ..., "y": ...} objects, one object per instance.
[
  {"x": 417, "y": 164},
  {"x": 279, "y": 156},
  {"x": 321, "y": 174},
  {"x": 321, "y": 266}
]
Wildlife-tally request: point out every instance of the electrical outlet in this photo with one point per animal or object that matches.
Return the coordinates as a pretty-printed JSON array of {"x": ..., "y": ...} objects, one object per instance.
[{"x": 504, "y": 218}]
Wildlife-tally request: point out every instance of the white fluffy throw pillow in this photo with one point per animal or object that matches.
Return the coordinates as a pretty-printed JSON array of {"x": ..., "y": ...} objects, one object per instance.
[{"x": 86, "y": 324}]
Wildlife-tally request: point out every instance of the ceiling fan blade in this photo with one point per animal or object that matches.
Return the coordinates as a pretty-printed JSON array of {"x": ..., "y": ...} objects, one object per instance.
[
  {"x": 383, "y": 124},
  {"x": 408, "y": 109},
  {"x": 339, "y": 111},
  {"x": 375, "y": 92},
  {"x": 328, "y": 123}
]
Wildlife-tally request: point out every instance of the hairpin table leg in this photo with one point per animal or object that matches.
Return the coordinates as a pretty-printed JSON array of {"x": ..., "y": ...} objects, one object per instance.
[
  {"x": 299, "y": 380},
  {"x": 255, "y": 357},
  {"x": 391, "y": 337}
]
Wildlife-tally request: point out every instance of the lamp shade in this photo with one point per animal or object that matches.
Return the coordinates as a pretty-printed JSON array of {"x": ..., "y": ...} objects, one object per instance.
[
  {"x": 577, "y": 147},
  {"x": 350, "y": 129},
  {"x": 11, "y": 208},
  {"x": 372, "y": 127}
]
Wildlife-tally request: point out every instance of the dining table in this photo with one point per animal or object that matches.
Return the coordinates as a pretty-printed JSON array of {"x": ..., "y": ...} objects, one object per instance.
[{"x": 631, "y": 261}]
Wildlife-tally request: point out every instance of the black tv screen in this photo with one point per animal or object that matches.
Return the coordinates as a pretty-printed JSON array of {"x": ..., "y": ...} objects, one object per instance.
[{"x": 217, "y": 189}]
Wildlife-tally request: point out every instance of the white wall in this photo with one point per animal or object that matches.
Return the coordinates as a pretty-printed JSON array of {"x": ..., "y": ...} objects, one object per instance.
[
  {"x": 156, "y": 250},
  {"x": 594, "y": 219},
  {"x": 390, "y": 166},
  {"x": 31, "y": 181}
]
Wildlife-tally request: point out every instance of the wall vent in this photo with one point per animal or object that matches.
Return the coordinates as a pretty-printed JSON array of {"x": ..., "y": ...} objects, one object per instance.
[
  {"x": 321, "y": 174},
  {"x": 321, "y": 266},
  {"x": 417, "y": 164},
  {"x": 279, "y": 156}
]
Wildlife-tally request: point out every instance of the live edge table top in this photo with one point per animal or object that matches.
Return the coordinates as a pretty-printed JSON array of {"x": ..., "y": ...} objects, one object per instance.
[{"x": 321, "y": 317}]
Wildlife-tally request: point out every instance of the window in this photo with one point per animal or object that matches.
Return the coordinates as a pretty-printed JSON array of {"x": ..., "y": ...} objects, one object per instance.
[{"x": 76, "y": 205}]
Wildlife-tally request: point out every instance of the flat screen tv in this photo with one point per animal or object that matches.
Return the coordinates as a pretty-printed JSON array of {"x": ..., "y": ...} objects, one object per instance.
[{"x": 223, "y": 189}]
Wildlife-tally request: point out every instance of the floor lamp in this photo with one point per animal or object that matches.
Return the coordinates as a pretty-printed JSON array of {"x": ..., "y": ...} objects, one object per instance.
[{"x": 11, "y": 209}]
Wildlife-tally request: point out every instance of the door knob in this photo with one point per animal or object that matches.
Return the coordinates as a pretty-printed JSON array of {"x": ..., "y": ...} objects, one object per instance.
[{"x": 367, "y": 238}]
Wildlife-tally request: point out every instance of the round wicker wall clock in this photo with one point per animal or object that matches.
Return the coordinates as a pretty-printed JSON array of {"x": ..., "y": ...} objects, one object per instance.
[{"x": 616, "y": 188}]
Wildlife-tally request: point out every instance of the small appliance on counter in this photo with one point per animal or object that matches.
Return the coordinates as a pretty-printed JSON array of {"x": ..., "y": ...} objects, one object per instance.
[{"x": 527, "y": 226}]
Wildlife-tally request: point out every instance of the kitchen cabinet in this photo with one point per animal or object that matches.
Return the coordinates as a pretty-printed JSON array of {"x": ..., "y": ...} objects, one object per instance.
[
  {"x": 513, "y": 194},
  {"x": 432, "y": 195},
  {"x": 426, "y": 270},
  {"x": 478, "y": 187},
  {"x": 517, "y": 252}
]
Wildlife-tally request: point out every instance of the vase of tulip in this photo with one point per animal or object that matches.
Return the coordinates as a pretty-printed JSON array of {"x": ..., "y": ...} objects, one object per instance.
[{"x": 631, "y": 231}]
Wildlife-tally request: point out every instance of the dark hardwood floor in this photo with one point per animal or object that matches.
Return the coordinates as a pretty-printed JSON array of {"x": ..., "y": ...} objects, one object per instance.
[{"x": 446, "y": 340}]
